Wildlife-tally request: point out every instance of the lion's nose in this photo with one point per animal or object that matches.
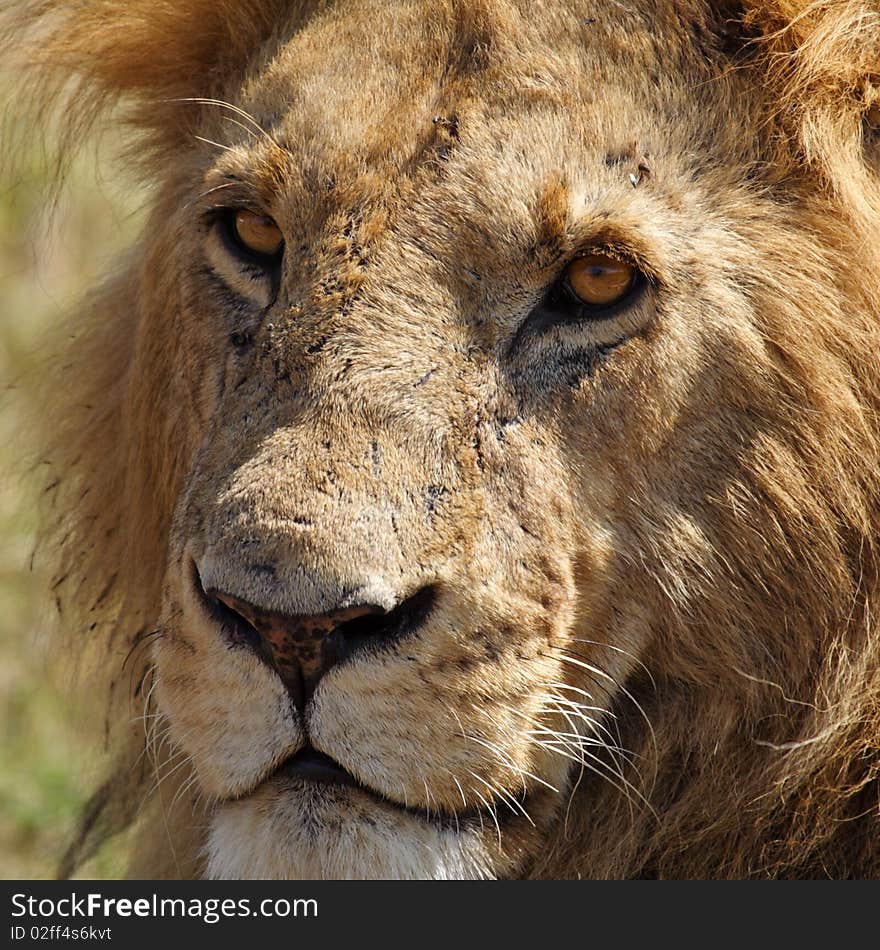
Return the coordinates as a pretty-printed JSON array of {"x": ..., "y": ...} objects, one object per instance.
[{"x": 301, "y": 649}]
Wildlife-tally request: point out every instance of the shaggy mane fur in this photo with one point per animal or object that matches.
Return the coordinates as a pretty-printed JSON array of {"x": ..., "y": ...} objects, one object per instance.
[{"x": 794, "y": 652}]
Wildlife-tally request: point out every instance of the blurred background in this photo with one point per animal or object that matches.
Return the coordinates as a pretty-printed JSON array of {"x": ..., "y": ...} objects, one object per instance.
[{"x": 53, "y": 246}]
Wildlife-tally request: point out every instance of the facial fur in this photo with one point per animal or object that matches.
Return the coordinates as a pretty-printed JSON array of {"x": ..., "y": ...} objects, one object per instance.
[{"x": 642, "y": 540}]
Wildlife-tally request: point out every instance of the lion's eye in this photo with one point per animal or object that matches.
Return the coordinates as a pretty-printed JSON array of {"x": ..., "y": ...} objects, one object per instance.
[
  {"x": 244, "y": 249},
  {"x": 598, "y": 280},
  {"x": 597, "y": 289},
  {"x": 256, "y": 233}
]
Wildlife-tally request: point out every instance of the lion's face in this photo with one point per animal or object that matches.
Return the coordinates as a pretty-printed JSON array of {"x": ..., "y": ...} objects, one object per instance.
[
  {"x": 408, "y": 536},
  {"x": 491, "y": 385}
]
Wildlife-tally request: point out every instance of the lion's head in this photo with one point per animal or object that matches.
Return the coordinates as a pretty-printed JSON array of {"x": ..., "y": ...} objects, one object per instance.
[{"x": 474, "y": 471}]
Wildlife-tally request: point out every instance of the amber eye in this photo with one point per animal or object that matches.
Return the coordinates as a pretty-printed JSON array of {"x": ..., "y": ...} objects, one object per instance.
[
  {"x": 599, "y": 280},
  {"x": 257, "y": 233}
]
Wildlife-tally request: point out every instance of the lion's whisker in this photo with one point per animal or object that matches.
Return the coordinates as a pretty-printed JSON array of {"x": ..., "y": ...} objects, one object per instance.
[
  {"x": 505, "y": 758},
  {"x": 236, "y": 110},
  {"x": 220, "y": 145},
  {"x": 489, "y": 809},
  {"x": 595, "y": 670},
  {"x": 614, "y": 750},
  {"x": 616, "y": 649},
  {"x": 210, "y": 191}
]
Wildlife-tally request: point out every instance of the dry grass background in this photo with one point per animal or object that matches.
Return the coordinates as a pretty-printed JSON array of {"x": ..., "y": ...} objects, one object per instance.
[{"x": 50, "y": 252}]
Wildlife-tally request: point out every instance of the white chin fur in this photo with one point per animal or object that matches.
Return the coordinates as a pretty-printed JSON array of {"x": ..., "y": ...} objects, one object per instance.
[{"x": 318, "y": 833}]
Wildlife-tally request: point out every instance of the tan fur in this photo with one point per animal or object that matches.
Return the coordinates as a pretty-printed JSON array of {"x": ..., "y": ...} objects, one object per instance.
[{"x": 657, "y": 571}]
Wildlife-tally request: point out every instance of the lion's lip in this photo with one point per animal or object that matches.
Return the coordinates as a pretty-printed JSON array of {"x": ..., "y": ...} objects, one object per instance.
[{"x": 310, "y": 765}]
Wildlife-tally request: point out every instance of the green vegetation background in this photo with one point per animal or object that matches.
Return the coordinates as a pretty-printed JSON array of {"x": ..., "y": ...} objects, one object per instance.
[{"x": 51, "y": 250}]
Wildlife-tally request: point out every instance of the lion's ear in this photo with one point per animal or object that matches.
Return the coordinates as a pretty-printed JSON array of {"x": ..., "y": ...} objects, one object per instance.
[
  {"x": 820, "y": 61},
  {"x": 87, "y": 54}
]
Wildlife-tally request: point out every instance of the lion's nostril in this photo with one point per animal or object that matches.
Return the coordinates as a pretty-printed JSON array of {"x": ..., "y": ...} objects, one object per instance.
[
  {"x": 385, "y": 627},
  {"x": 238, "y": 628},
  {"x": 302, "y": 648}
]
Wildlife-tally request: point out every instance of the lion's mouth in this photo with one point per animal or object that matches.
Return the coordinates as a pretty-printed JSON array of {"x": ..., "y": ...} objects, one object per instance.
[{"x": 308, "y": 767}]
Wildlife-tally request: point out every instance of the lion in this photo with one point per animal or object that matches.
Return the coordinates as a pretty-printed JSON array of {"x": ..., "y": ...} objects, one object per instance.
[{"x": 473, "y": 471}]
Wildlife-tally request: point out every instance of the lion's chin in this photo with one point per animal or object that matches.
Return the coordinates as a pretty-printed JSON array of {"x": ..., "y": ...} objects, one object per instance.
[{"x": 299, "y": 830}]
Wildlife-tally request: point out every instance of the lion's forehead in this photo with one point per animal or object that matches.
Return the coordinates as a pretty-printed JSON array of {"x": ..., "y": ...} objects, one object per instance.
[{"x": 388, "y": 96}]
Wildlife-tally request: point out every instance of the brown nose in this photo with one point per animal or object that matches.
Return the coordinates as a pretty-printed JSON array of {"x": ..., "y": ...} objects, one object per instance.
[{"x": 301, "y": 649}]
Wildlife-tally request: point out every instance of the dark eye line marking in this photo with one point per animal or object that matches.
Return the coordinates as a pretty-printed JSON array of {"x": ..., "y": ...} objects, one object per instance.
[
  {"x": 586, "y": 361},
  {"x": 232, "y": 299},
  {"x": 575, "y": 364}
]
